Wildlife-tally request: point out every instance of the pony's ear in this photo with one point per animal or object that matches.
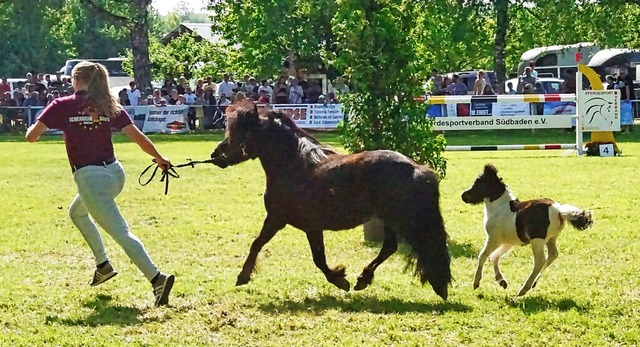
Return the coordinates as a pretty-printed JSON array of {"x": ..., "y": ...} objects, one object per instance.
[{"x": 489, "y": 169}]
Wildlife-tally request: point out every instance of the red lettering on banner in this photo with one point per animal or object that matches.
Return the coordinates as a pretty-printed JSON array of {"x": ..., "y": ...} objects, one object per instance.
[{"x": 296, "y": 113}]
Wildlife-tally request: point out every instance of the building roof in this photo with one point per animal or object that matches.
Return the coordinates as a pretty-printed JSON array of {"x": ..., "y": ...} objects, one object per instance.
[
  {"x": 602, "y": 57},
  {"x": 202, "y": 30}
]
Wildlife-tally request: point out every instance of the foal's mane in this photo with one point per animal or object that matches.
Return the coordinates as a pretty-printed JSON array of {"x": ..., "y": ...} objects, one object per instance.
[{"x": 309, "y": 148}]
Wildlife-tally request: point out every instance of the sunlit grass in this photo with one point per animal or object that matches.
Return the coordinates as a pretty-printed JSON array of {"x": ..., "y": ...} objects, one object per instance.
[{"x": 202, "y": 230}]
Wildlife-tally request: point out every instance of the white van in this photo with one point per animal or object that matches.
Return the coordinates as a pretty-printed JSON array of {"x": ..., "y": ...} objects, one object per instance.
[{"x": 117, "y": 76}]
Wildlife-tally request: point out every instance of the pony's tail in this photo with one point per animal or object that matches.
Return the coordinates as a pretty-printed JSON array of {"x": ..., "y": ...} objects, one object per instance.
[
  {"x": 429, "y": 258},
  {"x": 579, "y": 219}
]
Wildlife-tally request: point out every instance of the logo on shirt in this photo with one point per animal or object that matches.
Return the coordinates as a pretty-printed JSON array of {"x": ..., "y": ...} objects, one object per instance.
[{"x": 89, "y": 122}]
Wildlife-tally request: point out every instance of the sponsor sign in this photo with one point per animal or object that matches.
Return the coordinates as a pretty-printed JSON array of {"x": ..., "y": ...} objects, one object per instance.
[
  {"x": 317, "y": 116},
  {"x": 502, "y": 122},
  {"x": 599, "y": 110},
  {"x": 160, "y": 119}
]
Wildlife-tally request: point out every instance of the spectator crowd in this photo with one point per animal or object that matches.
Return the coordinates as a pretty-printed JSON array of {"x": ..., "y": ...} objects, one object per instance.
[{"x": 41, "y": 89}]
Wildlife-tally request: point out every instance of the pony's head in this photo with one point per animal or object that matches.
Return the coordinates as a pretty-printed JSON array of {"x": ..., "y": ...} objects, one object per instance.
[
  {"x": 486, "y": 186},
  {"x": 239, "y": 143}
]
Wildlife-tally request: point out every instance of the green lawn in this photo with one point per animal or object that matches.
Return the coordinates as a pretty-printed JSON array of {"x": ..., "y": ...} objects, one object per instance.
[{"x": 202, "y": 230}]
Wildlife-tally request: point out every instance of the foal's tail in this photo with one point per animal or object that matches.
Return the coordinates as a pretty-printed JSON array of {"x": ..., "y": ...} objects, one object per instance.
[
  {"x": 579, "y": 219},
  {"x": 429, "y": 257}
]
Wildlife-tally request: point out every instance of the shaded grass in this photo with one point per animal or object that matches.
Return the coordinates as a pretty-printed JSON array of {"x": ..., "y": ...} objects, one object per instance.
[{"x": 202, "y": 230}]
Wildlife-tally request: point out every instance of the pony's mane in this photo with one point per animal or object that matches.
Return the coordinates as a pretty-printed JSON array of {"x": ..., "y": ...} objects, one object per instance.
[{"x": 309, "y": 148}]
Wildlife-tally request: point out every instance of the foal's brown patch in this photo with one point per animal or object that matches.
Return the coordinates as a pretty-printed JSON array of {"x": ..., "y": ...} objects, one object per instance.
[{"x": 532, "y": 218}]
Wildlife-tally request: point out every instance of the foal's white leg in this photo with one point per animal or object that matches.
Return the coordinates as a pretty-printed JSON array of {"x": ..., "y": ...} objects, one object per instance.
[
  {"x": 489, "y": 246},
  {"x": 539, "y": 259},
  {"x": 552, "y": 254},
  {"x": 495, "y": 259}
]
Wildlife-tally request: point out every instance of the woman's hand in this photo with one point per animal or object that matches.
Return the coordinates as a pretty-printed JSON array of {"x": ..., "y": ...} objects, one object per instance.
[{"x": 163, "y": 162}]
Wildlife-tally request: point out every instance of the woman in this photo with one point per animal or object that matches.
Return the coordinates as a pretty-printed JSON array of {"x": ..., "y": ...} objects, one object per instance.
[
  {"x": 281, "y": 89},
  {"x": 86, "y": 119}
]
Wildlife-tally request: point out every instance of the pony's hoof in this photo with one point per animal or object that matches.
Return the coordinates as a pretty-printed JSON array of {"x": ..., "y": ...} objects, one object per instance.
[
  {"x": 503, "y": 284},
  {"x": 342, "y": 283},
  {"x": 475, "y": 285},
  {"x": 534, "y": 284},
  {"x": 242, "y": 280},
  {"x": 360, "y": 285},
  {"x": 522, "y": 292}
]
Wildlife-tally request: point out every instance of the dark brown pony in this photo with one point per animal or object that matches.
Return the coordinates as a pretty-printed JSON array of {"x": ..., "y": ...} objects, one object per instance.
[{"x": 313, "y": 188}]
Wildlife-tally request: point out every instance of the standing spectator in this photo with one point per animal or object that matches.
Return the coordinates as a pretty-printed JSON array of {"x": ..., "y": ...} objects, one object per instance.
[
  {"x": 457, "y": 87},
  {"x": 611, "y": 82},
  {"x": 57, "y": 84},
  {"x": 627, "y": 94},
  {"x": 295, "y": 92},
  {"x": 18, "y": 97},
  {"x": 66, "y": 85},
  {"x": 434, "y": 83},
  {"x": 331, "y": 98},
  {"x": 510, "y": 89},
  {"x": 190, "y": 99},
  {"x": 227, "y": 85},
  {"x": 340, "y": 87},
  {"x": 211, "y": 83},
  {"x": 488, "y": 90},
  {"x": 182, "y": 85},
  {"x": 224, "y": 101},
  {"x": 123, "y": 97},
  {"x": 249, "y": 86},
  {"x": 32, "y": 100},
  {"x": 157, "y": 97},
  {"x": 133, "y": 93},
  {"x": 539, "y": 88},
  {"x": 168, "y": 85},
  {"x": 263, "y": 97},
  {"x": 47, "y": 80},
  {"x": 525, "y": 79},
  {"x": 568, "y": 86},
  {"x": 175, "y": 98},
  {"x": 4, "y": 86},
  {"x": 42, "y": 99},
  {"x": 267, "y": 88},
  {"x": 534, "y": 73},
  {"x": 480, "y": 83},
  {"x": 50, "y": 99}
]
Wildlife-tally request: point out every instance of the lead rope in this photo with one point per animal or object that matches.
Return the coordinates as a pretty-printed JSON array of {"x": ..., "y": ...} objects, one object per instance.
[{"x": 167, "y": 173}]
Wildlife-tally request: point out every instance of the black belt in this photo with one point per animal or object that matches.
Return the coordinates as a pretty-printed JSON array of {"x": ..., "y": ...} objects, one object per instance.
[{"x": 104, "y": 163}]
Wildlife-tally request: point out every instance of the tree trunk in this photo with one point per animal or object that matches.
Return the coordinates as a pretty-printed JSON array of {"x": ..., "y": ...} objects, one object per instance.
[
  {"x": 140, "y": 45},
  {"x": 500, "y": 43}
]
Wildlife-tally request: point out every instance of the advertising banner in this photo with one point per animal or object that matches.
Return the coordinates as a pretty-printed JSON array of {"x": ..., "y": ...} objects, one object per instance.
[
  {"x": 502, "y": 122},
  {"x": 161, "y": 119},
  {"x": 599, "y": 110},
  {"x": 317, "y": 116}
]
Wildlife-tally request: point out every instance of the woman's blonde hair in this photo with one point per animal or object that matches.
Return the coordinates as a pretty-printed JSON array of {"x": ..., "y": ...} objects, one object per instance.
[{"x": 96, "y": 78}]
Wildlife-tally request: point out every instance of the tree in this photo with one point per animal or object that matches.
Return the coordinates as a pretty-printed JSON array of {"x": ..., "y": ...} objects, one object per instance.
[
  {"x": 268, "y": 31},
  {"x": 500, "y": 42},
  {"x": 185, "y": 56},
  {"x": 133, "y": 15},
  {"x": 376, "y": 48}
]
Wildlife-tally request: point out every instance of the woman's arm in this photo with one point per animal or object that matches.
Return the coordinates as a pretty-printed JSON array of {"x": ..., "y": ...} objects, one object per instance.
[
  {"x": 35, "y": 131},
  {"x": 146, "y": 145}
]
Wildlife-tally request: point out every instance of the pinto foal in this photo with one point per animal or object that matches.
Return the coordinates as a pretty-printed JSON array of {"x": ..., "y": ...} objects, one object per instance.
[{"x": 509, "y": 222}]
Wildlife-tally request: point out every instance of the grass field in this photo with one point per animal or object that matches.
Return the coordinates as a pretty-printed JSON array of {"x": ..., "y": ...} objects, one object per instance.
[{"x": 202, "y": 230}]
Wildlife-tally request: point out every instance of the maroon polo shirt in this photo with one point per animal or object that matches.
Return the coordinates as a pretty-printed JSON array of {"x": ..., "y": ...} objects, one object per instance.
[{"x": 87, "y": 138}]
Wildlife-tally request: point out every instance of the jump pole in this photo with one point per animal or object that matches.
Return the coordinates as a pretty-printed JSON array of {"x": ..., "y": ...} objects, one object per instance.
[{"x": 510, "y": 147}]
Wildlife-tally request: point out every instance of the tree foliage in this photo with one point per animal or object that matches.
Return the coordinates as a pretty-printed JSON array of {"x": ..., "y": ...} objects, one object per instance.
[{"x": 376, "y": 48}]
